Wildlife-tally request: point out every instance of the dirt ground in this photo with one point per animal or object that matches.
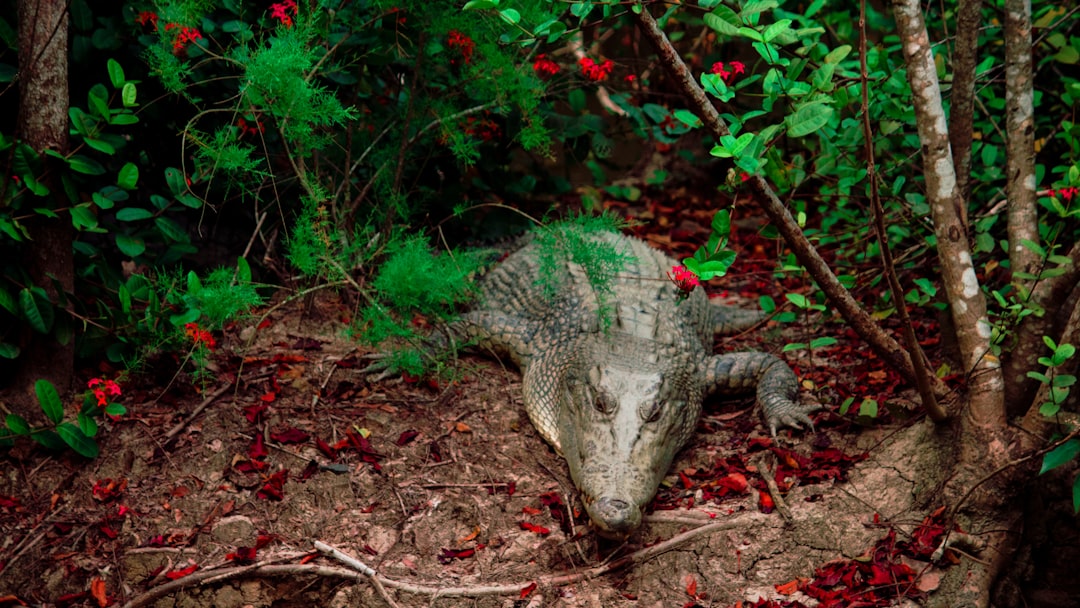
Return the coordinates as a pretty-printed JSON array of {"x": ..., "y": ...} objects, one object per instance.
[{"x": 446, "y": 490}]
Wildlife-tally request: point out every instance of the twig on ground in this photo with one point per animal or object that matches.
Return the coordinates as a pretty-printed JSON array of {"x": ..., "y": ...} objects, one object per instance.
[
  {"x": 360, "y": 571},
  {"x": 768, "y": 473},
  {"x": 206, "y": 403}
]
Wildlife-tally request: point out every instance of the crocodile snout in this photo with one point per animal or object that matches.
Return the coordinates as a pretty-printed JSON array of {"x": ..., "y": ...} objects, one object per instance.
[{"x": 615, "y": 518}]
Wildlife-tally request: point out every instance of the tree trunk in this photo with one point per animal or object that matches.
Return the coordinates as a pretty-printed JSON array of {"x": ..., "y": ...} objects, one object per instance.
[{"x": 43, "y": 125}]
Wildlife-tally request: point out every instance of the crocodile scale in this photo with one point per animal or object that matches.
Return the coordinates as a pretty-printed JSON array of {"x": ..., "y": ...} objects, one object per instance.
[{"x": 619, "y": 402}]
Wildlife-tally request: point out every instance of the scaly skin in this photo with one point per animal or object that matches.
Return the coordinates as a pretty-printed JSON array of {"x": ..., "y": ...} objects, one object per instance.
[{"x": 619, "y": 405}]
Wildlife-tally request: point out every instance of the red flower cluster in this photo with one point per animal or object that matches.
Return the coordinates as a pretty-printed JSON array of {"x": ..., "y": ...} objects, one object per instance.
[
  {"x": 147, "y": 17},
  {"x": 186, "y": 35},
  {"x": 199, "y": 336},
  {"x": 737, "y": 68},
  {"x": 280, "y": 11},
  {"x": 463, "y": 44},
  {"x": 596, "y": 71},
  {"x": 544, "y": 67},
  {"x": 103, "y": 390},
  {"x": 1065, "y": 193},
  {"x": 247, "y": 129},
  {"x": 685, "y": 280},
  {"x": 483, "y": 128}
]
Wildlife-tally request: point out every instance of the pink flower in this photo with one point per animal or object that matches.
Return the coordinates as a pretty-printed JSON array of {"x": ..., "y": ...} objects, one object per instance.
[
  {"x": 186, "y": 35},
  {"x": 737, "y": 67},
  {"x": 147, "y": 17},
  {"x": 464, "y": 45},
  {"x": 685, "y": 280},
  {"x": 199, "y": 336}
]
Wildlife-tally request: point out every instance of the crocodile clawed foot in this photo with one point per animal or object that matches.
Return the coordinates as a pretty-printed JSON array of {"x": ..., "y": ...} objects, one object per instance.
[{"x": 797, "y": 417}]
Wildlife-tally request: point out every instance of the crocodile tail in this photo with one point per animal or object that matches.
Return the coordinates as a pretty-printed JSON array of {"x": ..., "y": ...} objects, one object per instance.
[{"x": 776, "y": 385}]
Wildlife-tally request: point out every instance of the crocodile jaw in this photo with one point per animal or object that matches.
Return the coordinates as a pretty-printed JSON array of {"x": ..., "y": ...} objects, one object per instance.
[{"x": 620, "y": 429}]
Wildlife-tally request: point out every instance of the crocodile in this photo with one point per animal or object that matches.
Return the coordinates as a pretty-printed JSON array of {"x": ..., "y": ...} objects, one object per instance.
[{"x": 618, "y": 400}]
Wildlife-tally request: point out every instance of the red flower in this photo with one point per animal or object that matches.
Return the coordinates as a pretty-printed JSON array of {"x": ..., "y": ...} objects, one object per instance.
[
  {"x": 737, "y": 67},
  {"x": 147, "y": 17},
  {"x": 685, "y": 280},
  {"x": 199, "y": 336},
  {"x": 280, "y": 11},
  {"x": 186, "y": 35},
  {"x": 595, "y": 71},
  {"x": 103, "y": 389},
  {"x": 463, "y": 44},
  {"x": 544, "y": 67}
]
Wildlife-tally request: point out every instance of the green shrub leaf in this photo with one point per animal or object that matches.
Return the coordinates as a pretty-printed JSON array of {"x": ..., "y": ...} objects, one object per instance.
[
  {"x": 130, "y": 246},
  {"x": 49, "y": 439},
  {"x": 83, "y": 164},
  {"x": 77, "y": 440},
  {"x": 133, "y": 214},
  {"x": 1060, "y": 455},
  {"x": 116, "y": 73},
  {"x": 17, "y": 424},
  {"x": 9, "y": 351},
  {"x": 49, "y": 400},
  {"x": 37, "y": 313},
  {"x": 128, "y": 176}
]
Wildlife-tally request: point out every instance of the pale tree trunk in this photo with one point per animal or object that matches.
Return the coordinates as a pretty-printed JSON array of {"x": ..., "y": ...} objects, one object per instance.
[
  {"x": 985, "y": 440},
  {"x": 43, "y": 125},
  {"x": 962, "y": 100},
  {"x": 1020, "y": 147}
]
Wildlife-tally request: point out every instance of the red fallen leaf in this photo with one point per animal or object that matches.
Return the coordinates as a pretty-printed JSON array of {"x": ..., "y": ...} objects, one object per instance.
[
  {"x": 407, "y": 437},
  {"x": 252, "y": 466},
  {"x": 265, "y": 539},
  {"x": 325, "y": 448},
  {"x": 765, "y": 502},
  {"x": 242, "y": 555},
  {"x": 369, "y": 550},
  {"x": 686, "y": 483},
  {"x": 268, "y": 397},
  {"x": 309, "y": 471},
  {"x": 531, "y": 527},
  {"x": 283, "y": 358},
  {"x": 787, "y": 588},
  {"x": 9, "y": 502},
  {"x": 257, "y": 451},
  {"x": 290, "y": 435},
  {"x": 107, "y": 489},
  {"x": 736, "y": 482},
  {"x": 449, "y": 555},
  {"x": 691, "y": 585},
  {"x": 175, "y": 574},
  {"x": 531, "y": 510},
  {"x": 97, "y": 591},
  {"x": 370, "y": 508},
  {"x": 274, "y": 486},
  {"x": 307, "y": 344},
  {"x": 254, "y": 412},
  {"x": 71, "y": 598},
  {"x": 264, "y": 324},
  {"x": 107, "y": 530},
  {"x": 526, "y": 590}
]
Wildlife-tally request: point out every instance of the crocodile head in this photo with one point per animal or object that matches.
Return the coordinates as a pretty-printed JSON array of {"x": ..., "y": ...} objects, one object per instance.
[{"x": 620, "y": 426}]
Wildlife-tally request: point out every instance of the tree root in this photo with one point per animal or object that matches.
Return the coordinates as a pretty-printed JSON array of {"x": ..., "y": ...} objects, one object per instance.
[{"x": 357, "y": 570}]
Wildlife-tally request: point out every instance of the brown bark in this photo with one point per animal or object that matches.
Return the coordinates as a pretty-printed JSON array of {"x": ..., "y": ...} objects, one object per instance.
[
  {"x": 962, "y": 101},
  {"x": 985, "y": 440},
  {"x": 43, "y": 125},
  {"x": 1020, "y": 146},
  {"x": 881, "y": 343}
]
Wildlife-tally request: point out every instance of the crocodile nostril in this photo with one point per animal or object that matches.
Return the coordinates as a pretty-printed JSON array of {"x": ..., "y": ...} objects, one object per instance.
[{"x": 613, "y": 511}]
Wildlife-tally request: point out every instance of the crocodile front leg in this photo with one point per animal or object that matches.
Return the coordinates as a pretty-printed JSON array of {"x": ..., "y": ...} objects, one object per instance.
[{"x": 777, "y": 387}]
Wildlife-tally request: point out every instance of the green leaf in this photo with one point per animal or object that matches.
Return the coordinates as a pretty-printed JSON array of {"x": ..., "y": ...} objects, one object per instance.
[
  {"x": 49, "y": 439},
  {"x": 124, "y": 295},
  {"x": 781, "y": 27},
  {"x": 175, "y": 179},
  {"x": 128, "y": 176},
  {"x": 194, "y": 285},
  {"x": 724, "y": 21},
  {"x": 7, "y": 301},
  {"x": 510, "y": 16},
  {"x": 1049, "y": 409},
  {"x": 1060, "y": 455},
  {"x": 846, "y": 405},
  {"x": 480, "y": 5},
  {"x": 100, "y": 145},
  {"x": 688, "y": 118},
  {"x": 9, "y": 351},
  {"x": 1076, "y": 494},
  {"x": 49, "y": 400},
  {"x": 130, "y": 246},
  {"x": 133, "y": 214},
  {"x": 808, "y": 118},
  {"x": 171, "y": 229},
  {"x": 124, "y": 119},
  {"x": 83, "y": 164},
  {"x": 127, "y": 97},
  {"x": 115, "y": 409},
  {"x": 822, "y": 342},
  {"x": 243, "y": 271},
  {"x": 84, "y": 125},
  {"x": 17, "y": 424},
  {"x": 721, "y": 222},
  {"x": 39, "y": 314},
  {"x": 82, "y": 217},
  {"x": 868, "y": 408},
  {"x": 116, "y": 73},
  {"x": 87, "y": 424},
  {"x": 98, "y": 98},
  {"x": 77, "y": 440}
]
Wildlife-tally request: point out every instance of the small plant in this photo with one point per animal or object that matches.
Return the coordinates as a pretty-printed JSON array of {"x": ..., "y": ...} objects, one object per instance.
[
  {"x": 98, "y": 402},
  {"x": 1058, "y": 384}
]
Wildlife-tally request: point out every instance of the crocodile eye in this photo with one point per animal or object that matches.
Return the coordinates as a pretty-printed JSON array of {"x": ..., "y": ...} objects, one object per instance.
[
  {"x": 652, "y": 414},
  {"x": 604, "y": 403}
]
